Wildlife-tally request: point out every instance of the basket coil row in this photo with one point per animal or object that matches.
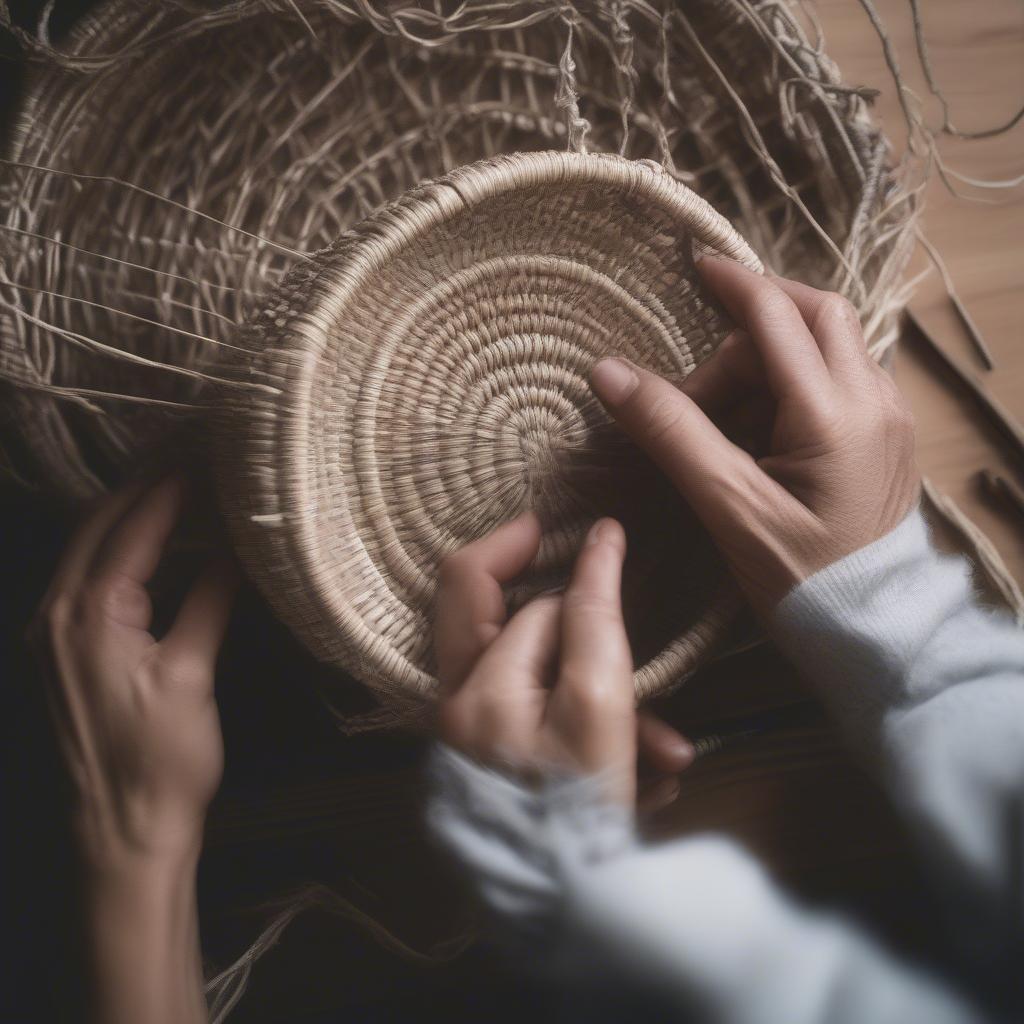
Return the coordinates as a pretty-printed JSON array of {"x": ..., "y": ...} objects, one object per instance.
[
  {"x": 431, "y": 222},
  {"x": 428, "y": 380}
]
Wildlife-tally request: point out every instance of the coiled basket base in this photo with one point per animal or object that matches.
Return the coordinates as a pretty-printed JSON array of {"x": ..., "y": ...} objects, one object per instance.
[{"x": 426, "y": 378}]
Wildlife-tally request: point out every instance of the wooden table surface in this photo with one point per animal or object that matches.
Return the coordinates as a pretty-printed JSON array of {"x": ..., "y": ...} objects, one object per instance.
[{"x": 978, "y": 55}]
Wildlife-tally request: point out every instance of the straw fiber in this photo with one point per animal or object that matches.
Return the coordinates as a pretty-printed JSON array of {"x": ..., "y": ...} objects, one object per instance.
[
  {"x": 429, "y": 381},
  {"x": 418, "y": 325}
]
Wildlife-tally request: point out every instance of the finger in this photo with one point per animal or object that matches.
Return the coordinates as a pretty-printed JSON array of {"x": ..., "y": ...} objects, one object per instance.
[
  {"x": 87, "y": 539},
  {"x": 495, "y": 715},
  {"x": 469, "y": 609},
  {"x": 664, "y": 749},
  {"x": 728, "y": 376},
  {"x": 132, "y": 550},
  {"x": 834, "y": 324},
  {"x": 592, "y": 706},
  {"x": 524, "y": 653},
  {"x": 712, "y": 473},
  {"x": 793, "y": 363},
  {"x": 202, "y": 620},
  {"x": 593, "y": 632}
]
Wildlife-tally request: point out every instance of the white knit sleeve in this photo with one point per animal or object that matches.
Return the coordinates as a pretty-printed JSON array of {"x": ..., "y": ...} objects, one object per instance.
[
  {"x": 695, "y": 925},
  {"x": 929, "y": 687}
]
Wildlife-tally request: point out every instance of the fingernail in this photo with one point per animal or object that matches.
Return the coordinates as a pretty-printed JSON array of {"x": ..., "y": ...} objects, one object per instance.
[
  {"x": 614, "y": 380},
  {"x": 594, "y": 534},
  {"x": 684, "y": 753}
]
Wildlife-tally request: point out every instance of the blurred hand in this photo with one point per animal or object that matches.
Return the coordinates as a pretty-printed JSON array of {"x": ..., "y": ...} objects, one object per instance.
[
  {"x": 834, "y": 469},
  {"x": 135, "y": 717},
  {"x": 553, "y": 686}
]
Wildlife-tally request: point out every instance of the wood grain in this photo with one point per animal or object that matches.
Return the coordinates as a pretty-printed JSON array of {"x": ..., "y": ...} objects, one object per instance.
[{"x": 978, "y": 56}]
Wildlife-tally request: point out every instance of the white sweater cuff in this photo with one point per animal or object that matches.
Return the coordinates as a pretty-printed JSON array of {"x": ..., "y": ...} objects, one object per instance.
[{"x": 855, "y": 628}]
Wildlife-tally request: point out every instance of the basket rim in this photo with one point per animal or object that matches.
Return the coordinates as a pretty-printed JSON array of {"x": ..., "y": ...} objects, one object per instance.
[{"x": 410, "y": 217}]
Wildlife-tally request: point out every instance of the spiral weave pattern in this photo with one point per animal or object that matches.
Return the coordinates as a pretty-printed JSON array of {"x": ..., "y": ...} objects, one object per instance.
[
  {"x": 426, "y": 380},
  {"x": 178, "y": 162},
  {"x": 176, "y": 159}
]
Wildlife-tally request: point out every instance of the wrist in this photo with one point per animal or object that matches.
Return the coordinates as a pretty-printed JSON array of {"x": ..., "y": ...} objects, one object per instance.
[
  {"x": 890, "y": 570},
  {"x": 120, "y": 863},
  {"x": 108, "y": 845},
  {"x": 150, "y": 890},
  {"x": 141, "y": 936},
  {"x": 855, "y": 628}
]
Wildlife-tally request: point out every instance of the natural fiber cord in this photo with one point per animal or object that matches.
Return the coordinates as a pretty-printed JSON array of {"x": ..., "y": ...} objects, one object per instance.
[
  {"x": 425, "y": 379},
  {"x": 185, "y": 168}
]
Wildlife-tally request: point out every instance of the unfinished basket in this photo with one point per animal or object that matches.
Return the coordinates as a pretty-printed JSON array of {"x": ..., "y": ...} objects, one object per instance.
[
  {"x": 174, "y": 160},
  {"x": 177, "y": 161},
  {"x": 425, "y": 379}
]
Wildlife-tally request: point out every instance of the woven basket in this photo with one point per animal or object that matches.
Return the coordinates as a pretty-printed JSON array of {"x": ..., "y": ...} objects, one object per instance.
[
  {"x": 426, "y": 379},
  {"x": 177, "y": 161}
]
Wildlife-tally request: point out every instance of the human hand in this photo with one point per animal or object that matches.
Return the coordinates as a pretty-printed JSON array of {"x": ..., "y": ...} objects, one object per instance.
[
  {"x": 135, "y": 718},
  {"x": 553, "y": 686},
  {"x": 838, "y": 471}
]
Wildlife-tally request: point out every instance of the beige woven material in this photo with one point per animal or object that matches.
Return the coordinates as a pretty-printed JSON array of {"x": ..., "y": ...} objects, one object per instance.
[
  {"x": 428, "y": 381},
  {"x": 178, "y": 160},
  {"x": 291, "y": 121}
]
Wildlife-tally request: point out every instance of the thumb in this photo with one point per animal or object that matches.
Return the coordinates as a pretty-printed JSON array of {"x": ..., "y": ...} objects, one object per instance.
[
  {"x": 706, "y": 467},
  {"x": 202, "y": 620}
]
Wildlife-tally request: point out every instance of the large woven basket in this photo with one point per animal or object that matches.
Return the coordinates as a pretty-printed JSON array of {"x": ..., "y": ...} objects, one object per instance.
[
  {"x": 177, "y": 161},
  {"x": 425, "y": 379}
]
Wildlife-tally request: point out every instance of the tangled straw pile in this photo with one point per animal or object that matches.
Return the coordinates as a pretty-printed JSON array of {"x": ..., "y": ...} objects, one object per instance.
[{"x": 175, "y": 161}]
